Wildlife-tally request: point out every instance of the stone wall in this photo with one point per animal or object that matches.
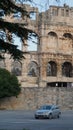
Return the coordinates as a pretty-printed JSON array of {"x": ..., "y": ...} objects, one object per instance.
[{"x": 32, "y": 98}]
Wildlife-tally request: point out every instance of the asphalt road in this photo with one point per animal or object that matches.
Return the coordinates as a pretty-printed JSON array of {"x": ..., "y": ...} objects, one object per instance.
[{"x": 18, "y": 120}]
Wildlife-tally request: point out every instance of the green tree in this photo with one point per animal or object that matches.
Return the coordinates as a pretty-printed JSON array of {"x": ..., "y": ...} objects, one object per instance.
[
  {"x": 7, "y": 7},
  {"x": 9, "y": 85}
]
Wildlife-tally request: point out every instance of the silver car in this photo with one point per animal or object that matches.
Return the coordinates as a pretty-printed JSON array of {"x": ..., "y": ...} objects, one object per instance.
[{"x": 48, "y": 111}]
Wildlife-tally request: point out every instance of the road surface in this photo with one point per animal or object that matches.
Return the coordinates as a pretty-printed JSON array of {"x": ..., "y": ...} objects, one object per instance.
[{"x": 18, "y": 120}]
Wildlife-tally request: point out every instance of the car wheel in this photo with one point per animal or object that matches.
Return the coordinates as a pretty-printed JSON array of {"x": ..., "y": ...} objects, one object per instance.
[
  {"x": 36, "y": 117},
  {"x": 50, "y": 116},
  {"x": 58, "y": 116}
]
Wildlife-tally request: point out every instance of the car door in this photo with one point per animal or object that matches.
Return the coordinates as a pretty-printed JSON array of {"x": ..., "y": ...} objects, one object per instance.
[{"x": 54, "y": 111}]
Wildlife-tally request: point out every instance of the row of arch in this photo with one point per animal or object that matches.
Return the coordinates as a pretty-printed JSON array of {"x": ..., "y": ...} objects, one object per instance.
[
  {"x": 66, "y": 35},
  {"x": 33, "y": 68},
  {"x": 51, "y": 69}
]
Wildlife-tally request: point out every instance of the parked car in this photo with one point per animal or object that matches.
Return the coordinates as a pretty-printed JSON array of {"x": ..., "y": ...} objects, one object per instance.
[{"x": 48, "y": 111}]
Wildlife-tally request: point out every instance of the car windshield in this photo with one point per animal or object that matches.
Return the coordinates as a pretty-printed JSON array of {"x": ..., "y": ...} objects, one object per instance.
[{"x": 45, "y": 107}]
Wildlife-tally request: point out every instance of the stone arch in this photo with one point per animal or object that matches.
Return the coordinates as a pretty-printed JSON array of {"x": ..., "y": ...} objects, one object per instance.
[
  {"x": 67, "y": 42},
  {"x": 52, "y": 34},
  {"x": 51, "y": 68},
  {"x": 33, "y": 69},
  {"x": 52, "y": 41},
  {"x": 68, "y": 35},
  {"x": 67, "y": 69},
  {"x": 16, "y": 68}
]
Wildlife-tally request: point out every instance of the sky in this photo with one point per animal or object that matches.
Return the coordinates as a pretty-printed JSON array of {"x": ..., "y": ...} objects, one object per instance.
[{"x": 44, "y": 5}]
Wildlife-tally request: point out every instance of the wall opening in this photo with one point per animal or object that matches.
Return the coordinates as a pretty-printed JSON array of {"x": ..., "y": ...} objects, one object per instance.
[
  {"x": 59, "y": 84},
  {"x": 33, "y": 16},
  {"x": 32, "y": 42},
  {"x": 32, "y": 69},
  {"x": 67, "y": 69},
  {"x": 51, "y": 69}
]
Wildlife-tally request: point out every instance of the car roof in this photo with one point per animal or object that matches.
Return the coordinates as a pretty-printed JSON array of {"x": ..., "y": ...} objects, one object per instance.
[{"x": 51, "y": 105}]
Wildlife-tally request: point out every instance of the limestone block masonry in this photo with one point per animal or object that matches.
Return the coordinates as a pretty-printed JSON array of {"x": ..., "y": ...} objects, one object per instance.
[
  {"x": 46, "y": 75},
  {"x": 32, "y": 98}
]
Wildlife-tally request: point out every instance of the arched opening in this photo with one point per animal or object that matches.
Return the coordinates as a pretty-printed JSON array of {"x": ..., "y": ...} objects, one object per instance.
[
  {"x": 51, "y": 68},
  {"x": 33, "y": 69},
  {"x": 16, "y": 68},
  {"x": 52, "y": 41},
  {"x": 53, "y": 34},
  {"x": 32, "y": 42},
  {"x": 17, "y": 41},
  {"x": 67, "y": 69},
  {"x": 68, "y": 35},
  {"x": 66, "y": 43}
]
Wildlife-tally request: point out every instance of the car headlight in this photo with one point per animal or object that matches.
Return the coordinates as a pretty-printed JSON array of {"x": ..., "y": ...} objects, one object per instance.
[{"x": 46, "y": 113}]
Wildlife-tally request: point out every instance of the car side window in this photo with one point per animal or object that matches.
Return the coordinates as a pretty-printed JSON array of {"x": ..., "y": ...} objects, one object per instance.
[
  {"x": 57, "y": 108},
  {"x": 48, "y": 107},
  {"x": 53, "y": 108}
]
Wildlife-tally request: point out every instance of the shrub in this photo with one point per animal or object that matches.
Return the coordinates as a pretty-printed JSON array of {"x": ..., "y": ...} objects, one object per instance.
[{"x": 9, "y": 85}]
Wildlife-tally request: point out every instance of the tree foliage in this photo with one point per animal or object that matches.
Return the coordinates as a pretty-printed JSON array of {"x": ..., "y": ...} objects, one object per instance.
[
  {"x": 6, "y": 8},
  {"x": 9, "y": 85}
]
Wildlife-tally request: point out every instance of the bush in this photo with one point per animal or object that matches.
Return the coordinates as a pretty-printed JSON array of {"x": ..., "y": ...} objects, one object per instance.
[{"x": 9, "y": 85}]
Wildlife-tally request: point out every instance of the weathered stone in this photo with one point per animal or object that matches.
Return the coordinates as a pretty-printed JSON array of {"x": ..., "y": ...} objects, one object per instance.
[{"x": 52, "y": 79}]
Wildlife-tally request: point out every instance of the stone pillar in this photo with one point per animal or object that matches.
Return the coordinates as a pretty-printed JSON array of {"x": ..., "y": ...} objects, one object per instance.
[{"x": 59, "y": 69}]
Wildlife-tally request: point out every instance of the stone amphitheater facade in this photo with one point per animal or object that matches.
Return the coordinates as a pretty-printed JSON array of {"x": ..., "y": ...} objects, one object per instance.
[{"x": 46, "y": 75}]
